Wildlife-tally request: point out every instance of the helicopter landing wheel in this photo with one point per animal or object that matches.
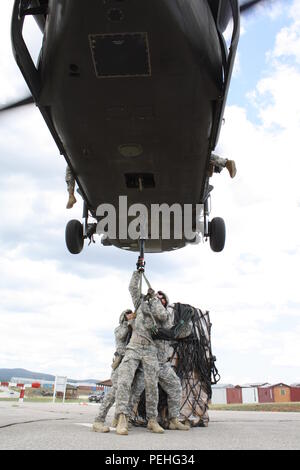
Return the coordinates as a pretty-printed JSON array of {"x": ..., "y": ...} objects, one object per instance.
[
  {"x": 217, "y": 234},
  {"x": 74, "y": 237}
]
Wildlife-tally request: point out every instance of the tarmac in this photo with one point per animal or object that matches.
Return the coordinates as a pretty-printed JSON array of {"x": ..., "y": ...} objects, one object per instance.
[{"x": 39, "y": 426}]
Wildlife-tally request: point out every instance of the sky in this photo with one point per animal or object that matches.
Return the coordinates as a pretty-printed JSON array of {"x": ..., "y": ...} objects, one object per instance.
[{"x": 58, "y": 311}]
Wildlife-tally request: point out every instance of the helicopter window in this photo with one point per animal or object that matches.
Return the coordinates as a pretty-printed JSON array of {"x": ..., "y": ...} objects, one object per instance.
[
  {"x": 140, "y": 180},
  {"x": 121, "y": 55},
  {"x": 228, "y": 33},
  {"x": 33, "y": 38},
  {"x": 226, "y": 21}
]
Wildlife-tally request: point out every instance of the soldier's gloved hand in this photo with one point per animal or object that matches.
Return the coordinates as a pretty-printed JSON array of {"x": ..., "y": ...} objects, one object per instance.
[
  {"x": 140, "y": 265},
  {"x": 151, "y": 292},
  {"x": 154, "y": 331},
  {"x": 155, "y": 334},
  {"x": 116, "y": 362},
  {"x": 163, "y": 333}
]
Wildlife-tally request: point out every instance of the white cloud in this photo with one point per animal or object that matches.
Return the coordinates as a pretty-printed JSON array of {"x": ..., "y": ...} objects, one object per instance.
[
  {"x": 48, "y": 316},
  {"x": 237, "y": 66},
  {"x": 281, "y": 91},
  {"x": 288, "y": 43},
  {"x": 275, "y": 9}
]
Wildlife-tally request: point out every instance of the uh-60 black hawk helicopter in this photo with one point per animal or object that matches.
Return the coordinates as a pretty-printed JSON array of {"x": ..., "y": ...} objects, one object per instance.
[{"x": 133, "y": 93}]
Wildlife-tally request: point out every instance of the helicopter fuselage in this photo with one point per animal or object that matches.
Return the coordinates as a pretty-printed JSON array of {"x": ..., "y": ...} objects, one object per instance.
[{"x": 135, "y": 92}]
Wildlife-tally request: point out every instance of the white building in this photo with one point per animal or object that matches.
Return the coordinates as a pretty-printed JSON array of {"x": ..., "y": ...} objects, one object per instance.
[
  {"x": 249, "y": 395},
  {"x": 219, "y": 394}
]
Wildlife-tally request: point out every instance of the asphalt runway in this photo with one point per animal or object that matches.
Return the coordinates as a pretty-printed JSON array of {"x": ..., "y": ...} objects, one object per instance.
[{"x": 68, "y": 427}]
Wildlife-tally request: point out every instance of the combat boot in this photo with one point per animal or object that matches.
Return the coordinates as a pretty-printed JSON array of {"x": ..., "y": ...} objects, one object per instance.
[
  {"x": 230, "y": 165},
  {"x": 122, "y": 427},
  {"x": 176, "y": 424},
  {"x": 72, "y": 200},
  {"x": 153, "y": 426},
  {"x": 114, "y": 423},
  {"x": 99, "y": 426}
]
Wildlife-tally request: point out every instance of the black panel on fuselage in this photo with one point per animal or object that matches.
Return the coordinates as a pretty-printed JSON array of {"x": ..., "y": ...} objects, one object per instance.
[{"x": 162, "y": 105}]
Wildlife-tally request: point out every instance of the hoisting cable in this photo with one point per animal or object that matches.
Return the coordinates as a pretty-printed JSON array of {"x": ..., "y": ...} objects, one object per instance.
[
  {"x": 140, "y": 265},
  {"x": 141, "y": 269}
]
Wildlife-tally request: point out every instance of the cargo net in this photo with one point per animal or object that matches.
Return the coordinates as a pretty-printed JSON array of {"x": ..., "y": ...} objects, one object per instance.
[{"x": 194, "y": 364}]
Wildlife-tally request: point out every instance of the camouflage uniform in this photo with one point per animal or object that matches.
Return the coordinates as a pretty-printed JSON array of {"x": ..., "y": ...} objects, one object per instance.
[
  {"x": 141, "y": 350},
  {"x": 109, "y": 398},
  {"x": 218, "y": 162},
  {"x": 121, "y": 334},
  {"x": 70, "y": 180},
  {"x": 167, "y": 377}
]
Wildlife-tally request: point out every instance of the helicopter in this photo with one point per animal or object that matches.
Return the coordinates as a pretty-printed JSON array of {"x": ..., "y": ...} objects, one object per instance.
[{"x": 133, "y": 93}]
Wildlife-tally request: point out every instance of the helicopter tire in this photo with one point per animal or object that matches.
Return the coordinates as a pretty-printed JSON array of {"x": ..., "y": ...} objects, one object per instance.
[
  {"x": 217, "y": 234},
  {"x": 74, "y": 237}
]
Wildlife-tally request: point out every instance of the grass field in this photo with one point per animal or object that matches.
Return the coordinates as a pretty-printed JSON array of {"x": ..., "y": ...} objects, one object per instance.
[
  {"x": 43, "y": 400},
  {"x": 295, "y": 407},
  {"x": 288, "y": 407}
]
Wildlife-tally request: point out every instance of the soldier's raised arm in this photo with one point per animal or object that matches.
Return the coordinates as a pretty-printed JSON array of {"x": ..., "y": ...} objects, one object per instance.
[{"x": 134, "y": 288}]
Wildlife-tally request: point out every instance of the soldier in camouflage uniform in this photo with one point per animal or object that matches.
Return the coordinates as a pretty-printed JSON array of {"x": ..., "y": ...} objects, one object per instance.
[
  {"x": 70, "y": 180},
  {"x": 121, "y": 336},
  {"x": 167, "y": 377},
  {"x": 141, "y": 350},
  {"x": 217, "y": 164}
]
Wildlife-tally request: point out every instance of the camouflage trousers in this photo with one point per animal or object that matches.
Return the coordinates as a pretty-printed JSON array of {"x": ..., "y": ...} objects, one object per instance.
[
  {"x": 218, "y": 162},
  {"x": 70, "y": 180},
  {"x": 170, "y": 383},
  {"x": 137, "y": 355},
  {"x": 110, "y": 397}
]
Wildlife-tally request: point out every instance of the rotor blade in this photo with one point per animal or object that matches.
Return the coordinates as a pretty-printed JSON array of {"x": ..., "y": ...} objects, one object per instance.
[
  {"x": 18, "y": 104},
  {"x": 249, "y": 4}
]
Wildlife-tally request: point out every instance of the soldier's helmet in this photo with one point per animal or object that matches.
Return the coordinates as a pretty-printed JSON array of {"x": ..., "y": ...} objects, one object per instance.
[
  {"x": 123, "y": 315},
  {"x": 162, "y": 294}
]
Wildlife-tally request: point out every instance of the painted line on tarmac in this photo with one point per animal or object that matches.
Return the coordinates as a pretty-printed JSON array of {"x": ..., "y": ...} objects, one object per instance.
[
  {"x": 89, "y": 425},
  {"x": 30, "y": 422}
]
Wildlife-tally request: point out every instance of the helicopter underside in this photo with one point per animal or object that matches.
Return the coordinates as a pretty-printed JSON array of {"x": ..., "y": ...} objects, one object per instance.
[
  {"x": 133, "y": 98},
  {"x": 132, "y": 89}
]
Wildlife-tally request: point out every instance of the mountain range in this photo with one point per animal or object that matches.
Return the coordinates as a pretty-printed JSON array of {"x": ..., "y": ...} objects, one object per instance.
[{"x": 7, "y": 374}]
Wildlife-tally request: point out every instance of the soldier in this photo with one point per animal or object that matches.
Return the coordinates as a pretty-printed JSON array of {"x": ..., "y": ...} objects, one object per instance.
[
  {"x": 141, "y": 350},
  {"x": 217, "y": 164},
  {"x": 167, "y": 377},
  {"x": 70, "y": 180},
  {"x": 122, "y": 333}
]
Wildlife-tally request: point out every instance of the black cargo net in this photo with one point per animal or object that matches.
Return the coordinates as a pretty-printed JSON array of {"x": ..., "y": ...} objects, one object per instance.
[{"x": 194, "y": 364}]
